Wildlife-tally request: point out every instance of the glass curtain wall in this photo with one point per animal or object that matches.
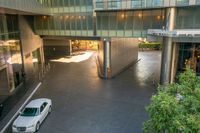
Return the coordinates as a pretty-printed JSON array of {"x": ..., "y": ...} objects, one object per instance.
[
  {"x": 129, "y": 23},
  {"x": 189, "y": 56},
  {"x": 182, "y": 2},
  {"x": 135, "y": 4},
  {"x": 31, "y": 6},
  {"x": 128, "y": 4},
  {"x": 70, "y": 18},
  {"x": 10, "y": 52},
  {"x": 188, "y": 18}
]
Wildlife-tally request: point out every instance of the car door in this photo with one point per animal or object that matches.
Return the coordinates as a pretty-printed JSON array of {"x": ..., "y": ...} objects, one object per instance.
[
  {"x": 42, "y": 112},
  {"x": 46, "y": 108}
]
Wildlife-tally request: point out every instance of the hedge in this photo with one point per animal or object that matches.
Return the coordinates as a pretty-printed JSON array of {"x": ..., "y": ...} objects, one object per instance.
[{"x": 154, "y": 45}]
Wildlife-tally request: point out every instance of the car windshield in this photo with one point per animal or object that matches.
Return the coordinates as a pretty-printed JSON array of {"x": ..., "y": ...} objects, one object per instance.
[{"x": 30, "y": 112}]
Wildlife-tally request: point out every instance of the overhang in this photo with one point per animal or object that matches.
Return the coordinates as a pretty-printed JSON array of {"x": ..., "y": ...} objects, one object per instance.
[{"x": 174, "y": 33}]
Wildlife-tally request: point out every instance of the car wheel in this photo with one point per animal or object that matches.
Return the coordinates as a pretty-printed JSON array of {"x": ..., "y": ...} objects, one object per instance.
[
  {"x": 37, "y": 126},
  {"x": 49, "y": 110}
]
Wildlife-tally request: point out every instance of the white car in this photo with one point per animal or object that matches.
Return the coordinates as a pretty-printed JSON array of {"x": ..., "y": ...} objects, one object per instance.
[{"x": 32, "y": 116}]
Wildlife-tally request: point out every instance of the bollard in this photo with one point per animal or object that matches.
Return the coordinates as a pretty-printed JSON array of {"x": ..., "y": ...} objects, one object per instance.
[
  {"x": 109, "y": 72},
  {"x": 1, "y": 109}
]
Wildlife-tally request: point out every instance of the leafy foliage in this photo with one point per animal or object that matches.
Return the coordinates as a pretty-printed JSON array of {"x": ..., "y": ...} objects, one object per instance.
[
  {"x": 152, "y": 45},
  {"x": 176, "y": 107}
]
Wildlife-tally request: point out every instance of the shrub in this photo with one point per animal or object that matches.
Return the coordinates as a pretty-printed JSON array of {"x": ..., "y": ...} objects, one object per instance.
[
  {"x": 152, "y": 45},
  {"x": 176, "y": 107}
]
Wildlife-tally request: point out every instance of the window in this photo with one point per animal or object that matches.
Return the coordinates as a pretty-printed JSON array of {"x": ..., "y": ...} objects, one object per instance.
[
  {"x": 30, "y": 112},
  {"x": 43, "y": 106}
]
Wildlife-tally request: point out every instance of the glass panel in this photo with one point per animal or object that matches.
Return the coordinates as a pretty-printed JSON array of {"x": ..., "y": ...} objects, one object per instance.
[
  {"x": 67, "y": 22},
  {"x": 112, "y": 20},
  {"x": 73, "y": 22},
  {"x": 79, "y": 27},
  {"x": 129, "y": 21},
  {"x": 65, "y": 3},
  {"x": 30, "y": 112},
  {"x": 10, "y": 52},
  {"x": 136, "y": 3},
  {"x": 137, "y": 20},
  {"x": 158, "y": 3},
  {"x": 51, "y": 23},
  {"x": 114, "y": 4},
  {"x": 90, "y": 22},
  {"x": 104, "y": 21},
  {"x": 189, "y": 56},
  {"x": 84, "y": 23},
  {"x": 99, "y": 19},
  {"x": 147, "y": 20},
  {"x": 182, "y": 2},
  {"x": 99, "y": 5},
  {"x": 121, "y": 20},
  {"x": 186, "y": 18},
  {"x": 157, "y": 19}
]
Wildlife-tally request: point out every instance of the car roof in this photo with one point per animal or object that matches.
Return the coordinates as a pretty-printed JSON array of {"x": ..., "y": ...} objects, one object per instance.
[{"x": 36, "y": 103}]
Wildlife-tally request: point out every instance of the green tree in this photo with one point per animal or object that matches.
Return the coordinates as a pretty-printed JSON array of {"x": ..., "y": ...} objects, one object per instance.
[{"x": 176, "y": 107}]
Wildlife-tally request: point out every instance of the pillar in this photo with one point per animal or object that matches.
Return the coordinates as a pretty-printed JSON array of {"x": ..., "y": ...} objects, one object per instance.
[
  {"x": 70, "y": 47},
  {"x": 175, "y": 55},
  {"x": 107, "y": 59},
  {"x": 165, "y": 77}
]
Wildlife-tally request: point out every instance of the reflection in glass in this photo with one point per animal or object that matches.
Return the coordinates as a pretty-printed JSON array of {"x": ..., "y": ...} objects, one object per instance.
[
  {"x": 10, "y": 55},
  {"x": 36, "y": 57},
  {"x": 189, "y": 56}
]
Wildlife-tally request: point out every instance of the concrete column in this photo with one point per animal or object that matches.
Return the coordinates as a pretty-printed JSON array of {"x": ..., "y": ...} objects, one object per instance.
[
  {"x": 170, "y": 18},
  {"x": 107, "y": 59},
  {"x": 166, "y": 61},
  {"x": 167, "y": 47}
]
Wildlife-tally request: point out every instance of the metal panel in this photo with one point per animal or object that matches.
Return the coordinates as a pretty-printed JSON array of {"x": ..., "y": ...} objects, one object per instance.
[{"x": 124, "y": 51}]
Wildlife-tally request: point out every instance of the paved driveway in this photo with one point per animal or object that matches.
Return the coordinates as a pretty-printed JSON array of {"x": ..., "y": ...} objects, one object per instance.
[{"x": 83, "y": 103}]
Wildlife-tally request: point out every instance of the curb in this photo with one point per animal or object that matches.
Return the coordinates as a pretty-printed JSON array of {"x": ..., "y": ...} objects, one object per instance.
[{"x": 19, "y": 109}]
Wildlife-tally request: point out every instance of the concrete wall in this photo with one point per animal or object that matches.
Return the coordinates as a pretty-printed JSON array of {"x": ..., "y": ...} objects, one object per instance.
[
  {"x": 124, "y": 51},
  {"x": 30, "y": 42}
]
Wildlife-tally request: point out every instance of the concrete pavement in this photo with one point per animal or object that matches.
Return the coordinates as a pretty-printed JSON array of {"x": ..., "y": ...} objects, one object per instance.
[{"x": 84, "y": 103}]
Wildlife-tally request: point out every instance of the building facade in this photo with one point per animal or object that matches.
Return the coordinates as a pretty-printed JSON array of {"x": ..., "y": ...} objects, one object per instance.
[
  {"x": 29, "y": 26},
  {"x": 21, "y": 51}
]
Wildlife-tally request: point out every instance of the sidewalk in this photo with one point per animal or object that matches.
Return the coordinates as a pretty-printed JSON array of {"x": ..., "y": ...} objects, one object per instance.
[{"x": 13, "y": 103}]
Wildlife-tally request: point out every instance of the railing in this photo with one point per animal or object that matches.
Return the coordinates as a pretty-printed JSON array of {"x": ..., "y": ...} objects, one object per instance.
[
  {"x": 38, "y": 72},
  {"x": 43, "y": 70},
  {"x": 137, "y": 4}
]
